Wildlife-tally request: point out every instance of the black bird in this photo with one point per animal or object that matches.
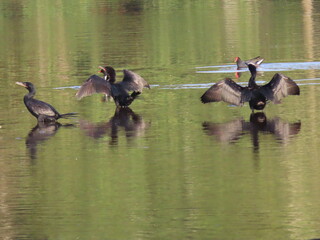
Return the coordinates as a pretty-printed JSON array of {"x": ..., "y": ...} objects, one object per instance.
[
  {"x": 244, "y": 64},
  {"x": 228, "y": 91},
  {"x": 44, "y": 112},
  {"x": 119, "y": 91}
]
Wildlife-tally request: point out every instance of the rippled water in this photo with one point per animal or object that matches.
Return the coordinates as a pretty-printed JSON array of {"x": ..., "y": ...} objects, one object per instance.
[{"x": 169, "y": 167}]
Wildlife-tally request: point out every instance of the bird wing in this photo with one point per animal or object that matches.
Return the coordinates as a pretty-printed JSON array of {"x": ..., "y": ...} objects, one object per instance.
[
  {"x": 259, "y": 61},
  {"x": 41, "y": 108},
  {"x": 225, "y": 90},
  {"x": 279, "y": 87},
  {"x": 133, "y": 82},
  {"x": 94, "y": 84},
  {"x": 256, "y": 61}
]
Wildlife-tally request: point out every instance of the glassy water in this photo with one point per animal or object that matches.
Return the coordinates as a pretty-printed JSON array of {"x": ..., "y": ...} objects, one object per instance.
[{"x": 170, "y": 167}]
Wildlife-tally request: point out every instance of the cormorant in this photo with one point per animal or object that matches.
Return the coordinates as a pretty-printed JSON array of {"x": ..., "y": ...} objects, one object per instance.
[
  {"x": 228, "y": 91},
  {"x": 119, "y": 91},
  {"x": 43, "y": 111}
]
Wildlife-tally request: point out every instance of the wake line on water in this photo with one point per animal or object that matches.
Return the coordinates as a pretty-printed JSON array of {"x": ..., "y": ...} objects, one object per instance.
[
  {"x": 265, "y": 67},
  {"x": 78, "y": 87},
  {"x": 207, "y": 85}
]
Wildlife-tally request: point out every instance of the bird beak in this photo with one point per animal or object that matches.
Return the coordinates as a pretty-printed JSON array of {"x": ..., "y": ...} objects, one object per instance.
[
  {"x": 21, "y": 84},
  {"x": 102, "y": 69}
]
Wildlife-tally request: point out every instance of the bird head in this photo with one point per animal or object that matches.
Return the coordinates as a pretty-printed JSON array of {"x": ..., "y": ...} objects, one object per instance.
[
  {"x": 108, "y": 72},
  {"x": 27, "y": 85}
]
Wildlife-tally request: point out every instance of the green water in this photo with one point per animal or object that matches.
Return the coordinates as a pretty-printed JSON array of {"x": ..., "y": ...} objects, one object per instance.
[{"x": 173, "y": 168}]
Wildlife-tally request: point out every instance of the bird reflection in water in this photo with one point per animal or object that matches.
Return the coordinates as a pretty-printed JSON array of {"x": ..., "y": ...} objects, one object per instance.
[
  {"x": 230, "y": 132},
  {"x": 41, "y": 132},
  {"x": 123, "y": 118}
]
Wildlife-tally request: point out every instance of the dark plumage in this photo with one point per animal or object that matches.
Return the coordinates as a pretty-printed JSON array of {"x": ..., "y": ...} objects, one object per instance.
[
  {"x": 44, "y": 112},
  {"x": 244, "y": 64},
  {"x": 119, "y": 91},
  {"x": 228, "y": 91}
]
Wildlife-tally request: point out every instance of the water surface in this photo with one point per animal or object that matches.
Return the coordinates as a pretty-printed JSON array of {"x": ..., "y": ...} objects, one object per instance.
[{"x": 170, "y": 167}]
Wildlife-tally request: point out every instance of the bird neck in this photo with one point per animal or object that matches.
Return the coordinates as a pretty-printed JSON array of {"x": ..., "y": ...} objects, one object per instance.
[
  {"x": 30, "y": 94},
  {"x": 252, "y": 81},
  {"x": 110, "y": 76}
]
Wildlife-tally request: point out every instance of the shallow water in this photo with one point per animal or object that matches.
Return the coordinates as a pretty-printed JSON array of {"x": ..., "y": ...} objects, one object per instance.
[{"x": 170, "y": 167}]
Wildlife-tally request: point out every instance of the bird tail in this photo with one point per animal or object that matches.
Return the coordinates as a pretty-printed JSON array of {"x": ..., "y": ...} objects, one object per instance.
[{"x": 68, "y": 115}]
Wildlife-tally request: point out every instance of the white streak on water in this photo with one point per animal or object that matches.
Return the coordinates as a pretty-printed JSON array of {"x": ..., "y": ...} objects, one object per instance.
[{"x": 264, "y": 67}]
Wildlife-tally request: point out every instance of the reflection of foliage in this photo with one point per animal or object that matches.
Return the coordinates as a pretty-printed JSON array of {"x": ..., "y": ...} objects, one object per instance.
[
  {"x": 59, "y": 41},
  {"x": 83, "y": 188},
  {"x": 132, "y": 6},
  {"x": 158, "y": 33}
]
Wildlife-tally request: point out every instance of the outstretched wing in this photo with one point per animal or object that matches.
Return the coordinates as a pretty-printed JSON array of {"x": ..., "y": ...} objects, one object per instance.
[
  {"x": 94, "y": 84},
  {"x": 225, "y": 90},
  {"x": 133, "y": 82},
  {"x": 279, "y": 87}
]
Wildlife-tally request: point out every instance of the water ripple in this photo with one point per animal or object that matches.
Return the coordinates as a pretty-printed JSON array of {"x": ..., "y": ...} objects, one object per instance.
[
  {"x": 265, "y": 67},
  {"x": 302, "y": 82}
]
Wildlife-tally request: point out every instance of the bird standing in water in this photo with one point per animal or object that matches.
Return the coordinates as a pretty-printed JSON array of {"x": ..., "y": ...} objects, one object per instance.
[
  {"x": 43, "y": 111},
  {"x": 228, "y": 91},
  {"x": 119, "y": 91},
  {"x": 244, "y": 64}
]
